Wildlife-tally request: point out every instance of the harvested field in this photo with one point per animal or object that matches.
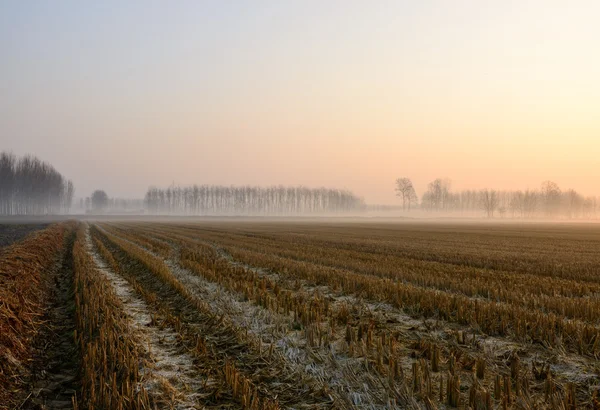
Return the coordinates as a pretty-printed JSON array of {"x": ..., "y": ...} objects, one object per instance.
[
  {"x": 31, "y": 284},
  {"x": 10, "y": 233},
  {"x": 267, "y": 315}
]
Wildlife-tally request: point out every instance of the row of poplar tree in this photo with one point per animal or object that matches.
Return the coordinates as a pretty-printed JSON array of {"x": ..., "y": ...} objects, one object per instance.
[
  {"x": 29, "y": 186},
  {"x": 250, "y": 200},
  {"x": 548, "y": 201}
]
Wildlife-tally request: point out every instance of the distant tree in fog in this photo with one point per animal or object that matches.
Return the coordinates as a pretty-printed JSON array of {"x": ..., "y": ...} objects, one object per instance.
[
  {"x": 99, "y": 200},
  {"x": 516, "y": 204},
  {"x": 551, "y": 197},
  {"x": 488, "y": 201},
  {"x": 413, "y": 199},
  {"x": 438, "y": 196},
  {"x": 530, "y": 203},
  {"x": 549, "y": 201},
  {"x": 524, "y": 204},
  {"x": 573, "y": 203},
  {"x": 502, "y": 211},
  {"x": 29, "y": 186},
  {"x": 589, "y": 207},
  {"x": 249, "y": 200},
  {"x": 7, "y": 182},
  {"x": 68, "y": 197},
  {"x": 406, "y": 191}
]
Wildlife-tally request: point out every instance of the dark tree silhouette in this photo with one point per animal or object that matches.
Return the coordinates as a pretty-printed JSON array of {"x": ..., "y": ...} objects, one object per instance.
[
  {"x": 99, "y": 200},
  {"x": 29, "y": 186}
]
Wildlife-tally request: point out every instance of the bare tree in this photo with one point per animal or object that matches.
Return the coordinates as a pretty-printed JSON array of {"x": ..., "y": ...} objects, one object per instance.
[
  {"x": 405, "y": 190},
  {"x": 588, "y": 207},
  {"x": 573, "y": 203},
  {"x": 548, "y": 201},
  {"x": 247, "y": 200},
  {"x": 438, "y": 195},
  {"x": 530, "y": 203},
  {"x": 502, "y": 211},
  {"x": 488, "y": 201},
  {"x": 7, "y": 182},
  {"x": 69, "y": 192},
  {"x": 516, "y": 204},
  {"x": 551, "y": 197},
  {"x": 413, "y": 199}
]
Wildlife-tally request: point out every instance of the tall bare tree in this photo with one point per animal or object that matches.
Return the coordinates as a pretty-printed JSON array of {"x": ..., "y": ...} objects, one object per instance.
[
  {"x": 406, "y": 191},
  {"x": 69, "y": 192},
  {"x": 488, "y": 201},
  {"x": 247, "y": 200},
  {"x": 551, "y": 196},
  {"x": 7, "y": 182},
  {"x": 438, "y": 196},
  {"x": 573, "y": 203},
  {"x": 29, "y": 186}
]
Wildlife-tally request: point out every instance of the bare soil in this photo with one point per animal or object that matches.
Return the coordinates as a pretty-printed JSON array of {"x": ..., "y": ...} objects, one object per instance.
[{"x": 10, "y": 233}]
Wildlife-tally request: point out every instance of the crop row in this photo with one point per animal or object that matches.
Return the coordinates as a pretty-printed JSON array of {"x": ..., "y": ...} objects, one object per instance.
[
  {"x": 569, "y": 253},
  {"x": 256, "y": 378},
  {"x": 563, "y": 297},
  {"x": 111, "y": 355},
  {"x": 350, "y": 390},
  {"x": 320, "y": 320},
  {"x": 491, "y": 317}
]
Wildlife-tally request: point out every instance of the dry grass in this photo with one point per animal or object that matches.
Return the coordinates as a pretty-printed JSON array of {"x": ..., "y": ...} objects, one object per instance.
[{"x": 21, "y": 303}]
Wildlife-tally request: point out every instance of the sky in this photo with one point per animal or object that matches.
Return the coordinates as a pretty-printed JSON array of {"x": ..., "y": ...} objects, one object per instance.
[{"x": 347, "y": 94}]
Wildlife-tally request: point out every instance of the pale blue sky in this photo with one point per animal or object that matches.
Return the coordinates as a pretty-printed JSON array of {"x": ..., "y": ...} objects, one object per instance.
[{"x": 351, "y": 94}]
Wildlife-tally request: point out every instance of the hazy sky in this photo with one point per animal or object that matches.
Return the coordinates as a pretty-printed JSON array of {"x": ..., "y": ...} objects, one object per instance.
[{"x": 121, "y": 95}]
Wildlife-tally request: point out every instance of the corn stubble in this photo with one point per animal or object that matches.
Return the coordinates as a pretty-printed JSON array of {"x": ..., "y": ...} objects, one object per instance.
[
  {"x": 194, "y": 320},
  {"x": 111, "y": 358},
  {"x": 295, "y": 278},
  {"x": 415, "y": 318}
]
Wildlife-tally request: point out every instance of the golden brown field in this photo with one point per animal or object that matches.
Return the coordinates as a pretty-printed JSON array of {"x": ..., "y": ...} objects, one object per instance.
[{"x": 267, "y": 315}]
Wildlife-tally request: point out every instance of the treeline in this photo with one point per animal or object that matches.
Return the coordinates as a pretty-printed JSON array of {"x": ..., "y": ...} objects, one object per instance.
[
  {"x": 550, "y": 201},
  {"x": 29, "y": 186},
  {"x": 250, "y": 200},
  {"x": 98, "y": 204}
]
